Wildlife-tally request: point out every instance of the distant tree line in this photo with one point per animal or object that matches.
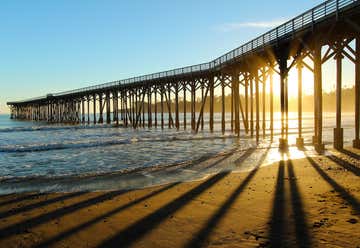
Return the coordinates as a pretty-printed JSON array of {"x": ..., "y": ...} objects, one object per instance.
[{"x": 329, "y": 103}]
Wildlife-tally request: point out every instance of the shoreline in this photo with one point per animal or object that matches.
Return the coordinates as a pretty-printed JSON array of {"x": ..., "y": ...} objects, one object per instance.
[{"x": 312, "y": 201}]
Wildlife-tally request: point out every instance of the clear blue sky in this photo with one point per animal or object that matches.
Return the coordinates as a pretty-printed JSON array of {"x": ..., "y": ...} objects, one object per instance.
[{"x": 49, "y": 46}]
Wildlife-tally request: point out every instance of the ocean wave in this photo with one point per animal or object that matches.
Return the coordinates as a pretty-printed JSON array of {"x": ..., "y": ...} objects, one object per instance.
[
  {"x": 52, "y": 128},
  {"x": 59, "y": 146},
  {"x": 88, "y": 144},
  {"x": 143, "y": 170}
]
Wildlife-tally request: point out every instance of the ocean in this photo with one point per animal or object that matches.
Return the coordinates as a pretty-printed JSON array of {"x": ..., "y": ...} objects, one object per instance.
[{"x": 37, "y": 156}]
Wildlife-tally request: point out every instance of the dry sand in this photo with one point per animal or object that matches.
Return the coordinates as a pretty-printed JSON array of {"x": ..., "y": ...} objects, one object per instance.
[{"x": 306, "y": 202}]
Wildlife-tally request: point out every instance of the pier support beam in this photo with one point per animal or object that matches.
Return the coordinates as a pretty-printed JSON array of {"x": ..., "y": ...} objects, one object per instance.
[
  {"x": 232, "y": 105},
  {"x": 94, "y": 108},
  {"x": 202, "y": 100},
  {"x": 211, "y": 88},
  {"x": 356, "y": 141},
  {"x": 149, "y": 109},
  {"x": 338, "y": 131},
  {"x": 177, "y": 122},
  {"x": 318, "y": 144},
  {"x": 222, "y": 105},
  {"x": 168, "y": 100},
  {"x": 162, "y": 92},
  {"x": 300, "y": 139},
  {"x": 193, "y": 102},
  {"x": 88, "y": 109},
  {"x": 283, "y": 141},
  {"x": 271, "y": 73},
  {"x": 83, "y": 110},
  {"x": 184, "y": 89},
  {"x": 101, "y": 118},
  {"x": 236, "y": 102},
  {"x": 251, "y": 81},
  {"x": 246, "y": 77},
  {"x": 155, "y": 107},
  {"x": 257, "y": 127},
  {"x": 107, "y": 101},
  {"x": 263, "y": 102}
]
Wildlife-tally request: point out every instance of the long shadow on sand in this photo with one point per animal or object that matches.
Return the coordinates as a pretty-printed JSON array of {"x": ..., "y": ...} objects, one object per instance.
[
  {"x": 200, "y": 238},
  {"x": 350, "y": 153},
  {"x": 20, "y": 199},
  {"x": 277, "y": 224},
  {"x": 137, "y": 230},
  {"x": 346, "y": 165},
  {"x": 303, "y": 238},
  {"x": 38, "y": 204},
  {"x": 355, "y": 204},
  {"x": 33, "y": 222},
  {"x": 117, "y": 210}
]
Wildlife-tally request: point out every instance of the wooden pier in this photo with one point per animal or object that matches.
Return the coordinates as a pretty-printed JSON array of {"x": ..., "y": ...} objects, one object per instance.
[{"x": 320, "y": 34}]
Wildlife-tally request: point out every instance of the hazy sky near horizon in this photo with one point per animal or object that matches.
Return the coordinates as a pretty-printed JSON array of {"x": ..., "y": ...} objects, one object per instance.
[{"x": 51, "y": 46}]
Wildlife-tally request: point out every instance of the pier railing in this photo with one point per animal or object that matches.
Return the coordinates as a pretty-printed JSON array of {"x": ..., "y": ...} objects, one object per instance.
[{"x": 303, "y": 21}]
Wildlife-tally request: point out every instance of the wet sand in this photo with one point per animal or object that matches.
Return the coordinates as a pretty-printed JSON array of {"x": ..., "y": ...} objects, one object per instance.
[{"x": 297, "y": 202}]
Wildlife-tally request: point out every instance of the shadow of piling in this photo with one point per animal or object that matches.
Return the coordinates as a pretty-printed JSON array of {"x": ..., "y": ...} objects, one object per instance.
[
  {"x": 21, "y": 198},
  {"x": 355, "y": 204},
  {"x": 137, "y": 230},
  {"x": 346, "y": 165},
  {"x": 350, "y": 153},
  {"x": 200, "y": 238},
  {"x": 277, "y": 225},
  {"x": 303, "y": 238},
  {"x": 39, "y": 204},
  {"x": 117, "y": 210},
  {"x": 36, "y": 221}
]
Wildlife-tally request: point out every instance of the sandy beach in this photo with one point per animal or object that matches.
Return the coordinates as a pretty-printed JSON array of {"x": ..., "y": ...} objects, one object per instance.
[{"x": 311, "y": 201}]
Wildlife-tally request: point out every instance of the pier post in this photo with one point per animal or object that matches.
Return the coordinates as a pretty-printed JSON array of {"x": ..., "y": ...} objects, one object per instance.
[
  {"x": 236, "y": 102},
  {"x": 246, "y": 78},
  {"x": 133, "y": 105},
  {"x": 319, "y": 146},
  {"x": 155, "y": 107},
  {"x": 202, "y": 100},
  {"x": 251, "y": 105},
  {"x": 299, "y": 139},
  {"x": 232, "y": 106},
  {"x": 356, "y": 141},
  {"x": 142, "y": 123},
  {"x": 283, "y": 142},
  {"x": 117, "y": 107},
  {"x": 169, "y": 105},
  {"x": 184, "y": 89},
  {"x": 177, "y": 125},
  {"x": 101, "y": 118},
  {"x": 114, "y": 105},
  {"x": 136, "y": 107},
  {"x": 257, "y": 127},
  {"x": 162, "y": 105},
  {"x": 222, "y": 104},
  {"x": 211, "y": 88},
  {"x": 193, "y": 99},
  {"x": 271, "y": 73},
  {"x": 94, "y": 108},
  {"x": 88, "y": 109},
  {"x": 125, "y": 103},
  {"x": 263, "y": 103},
  {"x": 107, "y": 101},
  {"x": 83, "y": 110},
  {"x": 148, "y": 106},
  {"x": 338, "y": 131}
]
